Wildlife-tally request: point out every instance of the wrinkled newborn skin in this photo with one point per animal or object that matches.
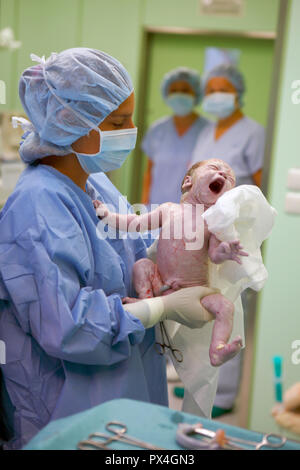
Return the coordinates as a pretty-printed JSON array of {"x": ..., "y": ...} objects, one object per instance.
[{"x": 178, "y": 267}]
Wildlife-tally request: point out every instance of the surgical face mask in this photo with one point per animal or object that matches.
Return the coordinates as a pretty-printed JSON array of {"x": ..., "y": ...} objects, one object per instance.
[
  {"x": 181, "y": 103},
  {"x": 114, "y": 149},
  {"x": 219, "y": 104}
]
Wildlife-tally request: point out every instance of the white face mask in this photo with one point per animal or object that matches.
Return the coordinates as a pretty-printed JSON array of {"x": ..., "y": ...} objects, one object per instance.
[
  {"x": 219, "y": 104},
  {"x": 181, "y": 103},
  {"x": 114, "y": 149}
]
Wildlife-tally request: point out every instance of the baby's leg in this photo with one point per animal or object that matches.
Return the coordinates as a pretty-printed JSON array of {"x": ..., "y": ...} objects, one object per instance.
[
  {"x": 146, "y": 279},
  {"x": 223, "y": 309}
]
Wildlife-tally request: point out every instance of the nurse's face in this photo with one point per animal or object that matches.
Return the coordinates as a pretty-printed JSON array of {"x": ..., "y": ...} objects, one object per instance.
[
  {"x": 181, "y": 86},
  {"x": 221, "y": 85},
  {"x": 121, "y": 118}
]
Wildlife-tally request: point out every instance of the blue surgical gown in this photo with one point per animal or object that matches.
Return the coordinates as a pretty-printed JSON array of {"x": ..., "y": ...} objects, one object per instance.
[
  {"x": 171, "y": 155},
  {"x": 70, "y": 344},
  {"x": 242, "y": 146}
]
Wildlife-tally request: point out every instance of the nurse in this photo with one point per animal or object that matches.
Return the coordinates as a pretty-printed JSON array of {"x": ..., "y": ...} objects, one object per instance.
[
  {"x": 234, "y": 137},
  {"x": 170, "y": 141},
  {"x": 239, "y": 141},
  {"x": 70, "y": 342}
]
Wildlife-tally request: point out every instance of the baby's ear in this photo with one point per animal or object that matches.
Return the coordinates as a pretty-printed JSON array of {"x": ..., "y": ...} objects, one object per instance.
[{"x": 187, "y": 182}]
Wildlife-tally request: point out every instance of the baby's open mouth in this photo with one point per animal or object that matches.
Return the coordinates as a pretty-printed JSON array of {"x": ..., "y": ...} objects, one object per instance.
[{"x": 217, "y": 185}]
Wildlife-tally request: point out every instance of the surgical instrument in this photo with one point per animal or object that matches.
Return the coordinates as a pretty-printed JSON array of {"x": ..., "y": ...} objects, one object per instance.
[
  {"x": 118, "y": 432},
  {"x": 271, "y": 440},
  {"x": 166, "y": 344}
]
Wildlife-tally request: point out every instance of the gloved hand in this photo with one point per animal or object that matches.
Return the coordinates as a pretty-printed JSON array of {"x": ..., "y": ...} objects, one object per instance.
[
  {"x": 182, "y": 306},
  {"x": 288, "y": 414}
]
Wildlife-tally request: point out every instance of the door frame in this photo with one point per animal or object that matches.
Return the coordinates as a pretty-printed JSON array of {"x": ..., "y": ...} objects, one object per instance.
[
  {"x": 147, "y": 37},
  {"x": 278, "y": 36}
]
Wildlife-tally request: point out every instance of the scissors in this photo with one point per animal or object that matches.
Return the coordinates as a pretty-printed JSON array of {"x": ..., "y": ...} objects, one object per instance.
[
  {"x": 99, "y": 440},
  {"x": 166, "y": 344},
  {"x": 271, "y": 440}
]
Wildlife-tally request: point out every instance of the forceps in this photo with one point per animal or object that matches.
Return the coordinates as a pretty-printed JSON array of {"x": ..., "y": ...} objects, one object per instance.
[
  {"x": 166, "y": 344},
  {"x": 267, "y": 439},
  {"x": 99, "y": 440}
]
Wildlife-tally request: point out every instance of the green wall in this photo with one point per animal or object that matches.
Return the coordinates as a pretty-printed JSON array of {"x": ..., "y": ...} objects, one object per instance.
[
  {"x": 168, "y": 51},
  {"x": 258, "y": 15},
  {"x": 278, "y": 323},
  {"x": 114, "y": 26}
]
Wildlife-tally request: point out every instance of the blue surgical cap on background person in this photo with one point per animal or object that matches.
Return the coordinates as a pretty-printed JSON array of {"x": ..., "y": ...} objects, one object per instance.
[
  {"x": 182, "y": 73},
  {"x": 232, "y": 74},
  {"x": 91, "y": 83}
]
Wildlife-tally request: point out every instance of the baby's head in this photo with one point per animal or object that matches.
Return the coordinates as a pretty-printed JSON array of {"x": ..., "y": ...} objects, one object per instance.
[{"x": 206, "y": 181}]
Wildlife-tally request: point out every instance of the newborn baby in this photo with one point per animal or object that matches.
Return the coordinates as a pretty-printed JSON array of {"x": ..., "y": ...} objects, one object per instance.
[{"x": 184, "y": 246}]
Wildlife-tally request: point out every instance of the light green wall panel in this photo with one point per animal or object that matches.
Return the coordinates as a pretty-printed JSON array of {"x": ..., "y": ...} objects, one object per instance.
[
  {"x": 278, "y": 322},
  {"x": 43, "y": 27},
  {"x": 115, "y": 27},
  {"x": 257, "y": 15},
  {"x": 8, "y": 58}
]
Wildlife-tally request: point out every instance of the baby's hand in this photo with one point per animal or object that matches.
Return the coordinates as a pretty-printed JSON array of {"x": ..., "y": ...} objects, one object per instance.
[
  {"x": 101, "y": 209},
  {"x": 230, "y": 251}
]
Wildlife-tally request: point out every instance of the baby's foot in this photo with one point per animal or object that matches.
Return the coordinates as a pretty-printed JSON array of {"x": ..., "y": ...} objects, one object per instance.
[{"x": 223, "y": 352}]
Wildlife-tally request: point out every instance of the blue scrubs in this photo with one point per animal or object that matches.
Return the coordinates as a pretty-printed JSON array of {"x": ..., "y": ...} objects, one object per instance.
[
  {"x": 70, "y": 345},
  {"x": 242, "y": 146},
  {"x": 171, "y": 155}
]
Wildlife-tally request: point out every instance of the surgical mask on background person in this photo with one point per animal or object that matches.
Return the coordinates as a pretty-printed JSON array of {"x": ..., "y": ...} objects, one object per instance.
[
  {"x": 181, "y": 103},
  {"x": 219, "y": 104},
  {"x": 115, "y": 146}
]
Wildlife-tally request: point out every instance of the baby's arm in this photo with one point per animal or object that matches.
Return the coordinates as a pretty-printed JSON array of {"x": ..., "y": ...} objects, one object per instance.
[
  {"x": 133, "y": 222},
  {"x": 219, "y": 252}
]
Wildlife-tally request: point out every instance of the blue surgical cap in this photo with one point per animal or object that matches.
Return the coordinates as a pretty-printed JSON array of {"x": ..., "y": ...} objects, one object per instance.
[
  {"x": 232, "y": 74},
  {"x": 182, "y": 73},
  {"x": 66, "y": 96}
]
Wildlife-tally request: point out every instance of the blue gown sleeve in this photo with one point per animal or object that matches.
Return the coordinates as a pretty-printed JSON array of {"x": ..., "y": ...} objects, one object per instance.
[
  {"x": 152, "y": 139},
  {"x": 44, "y": 261},
  {"x": 254, "y": 151}
]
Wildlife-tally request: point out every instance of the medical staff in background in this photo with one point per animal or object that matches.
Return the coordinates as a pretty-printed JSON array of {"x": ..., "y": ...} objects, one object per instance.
[
  {"x": 70, "y": 342},
  {"x": 234, "y": 137},
  {"x": 170, "y": 141},
  {"x": 240, "y": 142}
]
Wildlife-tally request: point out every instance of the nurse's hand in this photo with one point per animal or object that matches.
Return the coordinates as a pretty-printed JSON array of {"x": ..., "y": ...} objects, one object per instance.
[
  {"x": 183, "y": 306},
  {"x": 287, "y": 415}
]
